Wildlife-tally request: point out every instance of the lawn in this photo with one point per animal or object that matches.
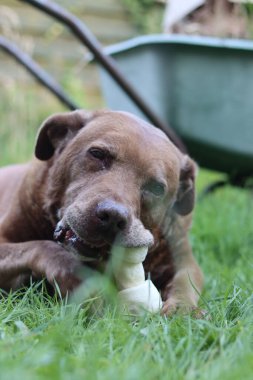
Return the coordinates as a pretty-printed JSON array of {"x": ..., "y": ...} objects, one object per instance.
[{"x": 45, "y": 338}]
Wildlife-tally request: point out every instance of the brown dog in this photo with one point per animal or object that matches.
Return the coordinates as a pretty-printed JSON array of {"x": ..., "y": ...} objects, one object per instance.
[{"x": 97, "y": 177}]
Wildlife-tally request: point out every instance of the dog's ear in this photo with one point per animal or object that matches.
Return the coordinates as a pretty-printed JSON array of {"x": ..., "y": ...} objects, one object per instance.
[
  {"x": 57, "y": 130},
  {"x": 186, "y": 192}
]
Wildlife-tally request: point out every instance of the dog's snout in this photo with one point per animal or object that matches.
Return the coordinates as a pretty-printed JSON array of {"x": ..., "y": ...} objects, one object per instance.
[{"x": 112, "y": 215}]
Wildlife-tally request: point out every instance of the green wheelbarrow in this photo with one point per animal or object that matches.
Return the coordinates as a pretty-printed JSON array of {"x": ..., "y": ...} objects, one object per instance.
[{"x": 203, "y": 87}]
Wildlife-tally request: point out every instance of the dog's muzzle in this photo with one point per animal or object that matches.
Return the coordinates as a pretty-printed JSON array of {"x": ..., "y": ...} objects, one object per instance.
[{"x": 108, "y": 223}]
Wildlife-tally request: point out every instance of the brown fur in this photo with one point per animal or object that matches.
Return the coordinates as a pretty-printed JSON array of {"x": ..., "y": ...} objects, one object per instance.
[{"x": 142, "y": 180}]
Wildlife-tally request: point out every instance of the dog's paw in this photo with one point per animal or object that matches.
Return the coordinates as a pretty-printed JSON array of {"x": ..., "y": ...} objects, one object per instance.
[
  {"x": 172, "y": 306},
  {"x": 64, "y": 276},
  {"x": 60, "y": 268}
]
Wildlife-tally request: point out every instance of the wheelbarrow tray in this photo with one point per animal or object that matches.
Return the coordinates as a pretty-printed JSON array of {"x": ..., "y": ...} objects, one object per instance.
[{"x": 203, "y": 87}]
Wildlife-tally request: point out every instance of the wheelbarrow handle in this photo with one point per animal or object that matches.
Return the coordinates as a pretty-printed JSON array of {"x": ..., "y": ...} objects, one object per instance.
[
  {"x": 41, "y": 75},
  {"x": 80, "y": 30}
]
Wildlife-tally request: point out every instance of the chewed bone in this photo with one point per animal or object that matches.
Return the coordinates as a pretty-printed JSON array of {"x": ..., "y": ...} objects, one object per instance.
[{"x": 129, "y": 274}]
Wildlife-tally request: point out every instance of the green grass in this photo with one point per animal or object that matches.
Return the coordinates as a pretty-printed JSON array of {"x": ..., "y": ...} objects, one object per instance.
[{"x": 46, "y": 338}]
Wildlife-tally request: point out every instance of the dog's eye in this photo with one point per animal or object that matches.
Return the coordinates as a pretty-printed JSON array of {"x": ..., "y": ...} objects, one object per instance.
[
  {"x": 98, "y": 153},
  {"x": 154, "y": 187}
]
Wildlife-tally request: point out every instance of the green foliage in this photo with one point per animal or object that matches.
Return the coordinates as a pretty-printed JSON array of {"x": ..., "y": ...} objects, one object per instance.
[
  {"x": 146, "y": 14},
  {"x": 23, "y": 109},
  {"x": 20, "y": 118},
  {"x": 248, "y": 12}
]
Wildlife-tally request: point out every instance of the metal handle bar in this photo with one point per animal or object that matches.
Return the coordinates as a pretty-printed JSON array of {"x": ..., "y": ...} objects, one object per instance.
[
  {"x": 40, "y": 74},
  {"x": 80, "y": 30}
]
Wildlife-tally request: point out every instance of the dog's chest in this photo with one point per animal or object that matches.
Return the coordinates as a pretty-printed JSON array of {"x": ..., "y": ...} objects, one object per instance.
[{"x": 159, "y": 264}]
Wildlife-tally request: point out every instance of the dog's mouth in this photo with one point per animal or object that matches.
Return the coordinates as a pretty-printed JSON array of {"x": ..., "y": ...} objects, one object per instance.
[
  {"x": 89, "y": 251},
  {"x": 98, "y": 248}
]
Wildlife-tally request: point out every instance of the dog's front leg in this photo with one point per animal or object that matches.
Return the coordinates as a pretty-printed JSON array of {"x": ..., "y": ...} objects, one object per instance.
[
  {"x": 184, "y": 290},
  {"x": 42, "y": 259}
]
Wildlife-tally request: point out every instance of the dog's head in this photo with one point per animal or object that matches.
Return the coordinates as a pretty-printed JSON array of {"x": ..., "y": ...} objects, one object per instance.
[{"x": 111, "y": 176}]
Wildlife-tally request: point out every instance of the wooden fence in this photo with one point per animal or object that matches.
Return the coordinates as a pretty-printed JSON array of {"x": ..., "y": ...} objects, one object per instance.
[{"x": 54, "y": 47}]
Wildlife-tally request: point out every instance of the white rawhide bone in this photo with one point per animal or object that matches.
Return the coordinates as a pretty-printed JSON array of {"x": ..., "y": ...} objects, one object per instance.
[{"x": 128, "y": 271}]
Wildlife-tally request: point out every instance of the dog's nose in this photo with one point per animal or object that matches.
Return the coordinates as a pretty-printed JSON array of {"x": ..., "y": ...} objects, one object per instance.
[{"x": 112, "y": 216}]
